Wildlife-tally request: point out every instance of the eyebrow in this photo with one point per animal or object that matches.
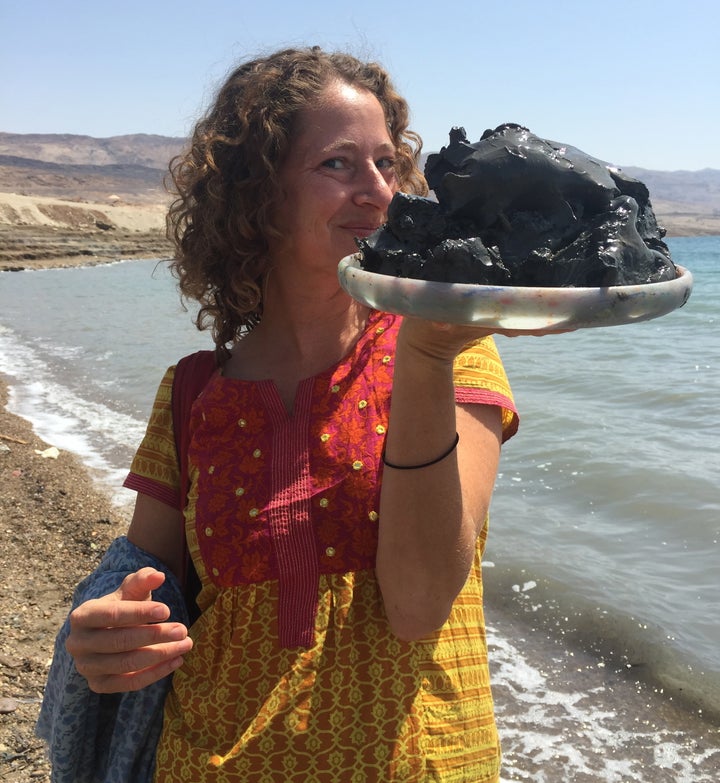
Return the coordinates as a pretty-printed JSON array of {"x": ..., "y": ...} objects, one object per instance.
[{"x": 346, "y": 144}]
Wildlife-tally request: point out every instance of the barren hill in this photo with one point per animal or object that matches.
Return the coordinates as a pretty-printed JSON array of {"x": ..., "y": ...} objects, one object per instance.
[
  {"x": 84, "y": 168},
  {"x": 687, "y": 202},
  {"x": 66, "y": 199},
  {"x": 128, "y": 182},
  {"x": 694, "y": 188},
  {"x": 139, "y": 149}
]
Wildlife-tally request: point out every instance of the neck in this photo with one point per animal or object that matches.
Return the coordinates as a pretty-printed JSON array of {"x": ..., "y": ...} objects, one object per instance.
[
  {"x": 304, "y": 329},
  {"x": 303, "y": 307}
]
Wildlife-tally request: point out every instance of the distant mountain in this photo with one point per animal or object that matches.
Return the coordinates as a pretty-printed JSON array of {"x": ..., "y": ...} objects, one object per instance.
[
  {"x": 138, "y": 149},
  {"x": 81, "y": 182},
  {"x": 132, "y": 168},
  {"x": 697, "y": 188}
]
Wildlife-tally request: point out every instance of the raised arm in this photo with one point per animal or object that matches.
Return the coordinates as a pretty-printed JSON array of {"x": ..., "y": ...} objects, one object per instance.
[{"x": 430, "y": 516}]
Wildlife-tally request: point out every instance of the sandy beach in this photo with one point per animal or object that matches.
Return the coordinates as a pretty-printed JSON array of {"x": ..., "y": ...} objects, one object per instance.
[{"x": 55, "y": 527}]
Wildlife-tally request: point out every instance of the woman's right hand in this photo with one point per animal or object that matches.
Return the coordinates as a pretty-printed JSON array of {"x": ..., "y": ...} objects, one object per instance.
[{"x": 121, "y": 643}]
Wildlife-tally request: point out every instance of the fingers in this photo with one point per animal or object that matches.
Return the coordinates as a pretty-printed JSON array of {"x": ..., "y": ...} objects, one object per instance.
[
  {"x": 533, "y": 332},
  {"x": 135, "y": 667},
  {"x": 107, "y": 642},
  {"x": 112, "y": 612},
  {"x": 139, "y": 585},
  {"x": 131, "y": 604},
  {"x": 134, "y": 681},
  {"x": 438, "y": 340},
  {"x": 120, "y": 642}
]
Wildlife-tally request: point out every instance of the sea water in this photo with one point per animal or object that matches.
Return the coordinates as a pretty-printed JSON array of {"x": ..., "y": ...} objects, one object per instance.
[
  {"x": 605, "y": 523},
  {"x": 609, "y": 497}
]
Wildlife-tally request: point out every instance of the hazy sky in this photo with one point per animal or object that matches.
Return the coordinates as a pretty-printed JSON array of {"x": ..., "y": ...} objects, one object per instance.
[{"x": 634, "y": 82}]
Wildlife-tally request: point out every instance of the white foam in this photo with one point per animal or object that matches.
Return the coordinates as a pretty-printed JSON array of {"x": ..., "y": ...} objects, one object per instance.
[
  {"x": 550, "y": 735},
  {"x": 63, "y": 418}
]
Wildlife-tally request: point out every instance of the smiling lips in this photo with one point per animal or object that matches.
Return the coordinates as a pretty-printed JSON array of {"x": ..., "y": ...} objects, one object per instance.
[{"x": 362, "y": 230}]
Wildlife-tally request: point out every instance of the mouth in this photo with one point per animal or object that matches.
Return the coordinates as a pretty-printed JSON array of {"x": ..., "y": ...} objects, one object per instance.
[{"x": 362, "y": 231}]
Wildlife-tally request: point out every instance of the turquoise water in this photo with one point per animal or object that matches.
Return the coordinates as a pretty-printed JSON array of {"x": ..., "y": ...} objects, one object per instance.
[{"x": 606, "y": 517}]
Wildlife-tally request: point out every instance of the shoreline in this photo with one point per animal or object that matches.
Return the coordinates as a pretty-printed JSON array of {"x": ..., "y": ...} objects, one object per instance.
[
  {"x": 43, "y": 232},
  {"x": 24, "y": 248},
  {"x": 56, "y": 525},
  {"x": 152, "y": 245},
  {"x": 59, "y": 521}
]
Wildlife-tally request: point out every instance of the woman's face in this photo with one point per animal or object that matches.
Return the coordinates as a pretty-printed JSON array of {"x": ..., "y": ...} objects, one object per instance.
[{"x": 338, "y": 179}]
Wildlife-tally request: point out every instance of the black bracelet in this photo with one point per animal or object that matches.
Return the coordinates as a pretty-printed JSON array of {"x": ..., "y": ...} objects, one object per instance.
[{"x": 424, "y": 464}]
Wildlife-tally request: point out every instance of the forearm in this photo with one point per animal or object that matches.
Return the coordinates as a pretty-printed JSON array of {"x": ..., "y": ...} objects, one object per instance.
[{"x": 430, "y": 517}]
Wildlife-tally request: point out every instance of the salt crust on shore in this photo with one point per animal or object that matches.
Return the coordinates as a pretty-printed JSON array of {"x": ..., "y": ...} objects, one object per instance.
[{"x": 16, "y": 209}]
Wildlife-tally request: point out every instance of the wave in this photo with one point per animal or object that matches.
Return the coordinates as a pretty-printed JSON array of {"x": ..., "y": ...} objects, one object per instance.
[
  {"x": 102, "y": 436},
  {"x": 615, "y": 638}
]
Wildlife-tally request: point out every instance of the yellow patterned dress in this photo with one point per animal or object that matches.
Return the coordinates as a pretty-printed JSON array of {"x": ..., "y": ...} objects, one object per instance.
[{"x": 295, "y": 675}]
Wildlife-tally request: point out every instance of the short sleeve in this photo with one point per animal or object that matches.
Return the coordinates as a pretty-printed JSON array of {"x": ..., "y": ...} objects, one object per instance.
[
  {"x": 480, "y": 378},
  {"x": 154, "y": 470}
]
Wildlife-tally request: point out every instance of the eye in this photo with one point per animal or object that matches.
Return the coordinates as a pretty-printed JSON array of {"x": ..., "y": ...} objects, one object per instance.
[
  {"x": 334, "y": 163},
  {"x": 385, "y": 163}
]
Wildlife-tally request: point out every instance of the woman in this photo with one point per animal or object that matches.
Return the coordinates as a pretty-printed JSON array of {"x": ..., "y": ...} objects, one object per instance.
[{"x": 340, "y": 467}]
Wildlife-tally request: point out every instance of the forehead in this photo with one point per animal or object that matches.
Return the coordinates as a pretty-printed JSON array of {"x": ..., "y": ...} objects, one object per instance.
[{"x": 342, "y": 112}]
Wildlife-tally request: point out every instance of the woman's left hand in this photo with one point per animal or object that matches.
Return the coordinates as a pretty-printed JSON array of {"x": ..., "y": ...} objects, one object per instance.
[
  {"x": 439, "y": 340},
  {"x": 444, "y": 340}
]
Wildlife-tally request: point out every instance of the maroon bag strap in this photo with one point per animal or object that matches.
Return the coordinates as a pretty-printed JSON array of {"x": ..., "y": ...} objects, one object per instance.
[{"x": 191, "y": 375}]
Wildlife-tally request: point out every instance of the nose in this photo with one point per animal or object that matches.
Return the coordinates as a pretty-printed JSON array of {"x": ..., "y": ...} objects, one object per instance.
[{"x": 374, "y": 186}]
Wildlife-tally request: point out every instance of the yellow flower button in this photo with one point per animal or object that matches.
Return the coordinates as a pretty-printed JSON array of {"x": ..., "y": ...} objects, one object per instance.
[
  {"x": 253, "y": 512},
  {"x": 242, "y": 423},
  {"x": 325, "y": 437},
  {"x": 240, "y": 491},
  {"x": 362, "y": 404},
  {"x": 257, "y": 453},
  {"x": 357, "y": 465},
  {"x": 330, "y": 551},
  {"x": 324, "y": 502},
  {"x": 208, "y": 531},
  {"x": 386, "y": 359},
  {"x": 335, "y": 388},
  {"x": 380, "y": 429},
  {"x": 373, "y": 515}
]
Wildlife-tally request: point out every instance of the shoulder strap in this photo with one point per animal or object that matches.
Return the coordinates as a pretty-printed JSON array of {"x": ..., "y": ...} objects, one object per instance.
[{"x": 191, "y": 375}]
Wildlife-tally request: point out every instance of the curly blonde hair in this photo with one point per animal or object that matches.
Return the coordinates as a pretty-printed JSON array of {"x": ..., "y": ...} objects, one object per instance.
[{"x": 226, "y": 182}]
